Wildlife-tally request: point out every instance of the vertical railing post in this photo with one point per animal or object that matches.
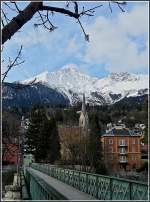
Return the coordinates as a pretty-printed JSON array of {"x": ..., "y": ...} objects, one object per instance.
[
  {"x": 79, "y": 181},
  {"x": 86, "y": 183},
  {"x": 110, "y": 185},
  {"x": 96, "y": 186},
  {"x": 130, "y": 190},
  {"x": 73, "y": 178}
]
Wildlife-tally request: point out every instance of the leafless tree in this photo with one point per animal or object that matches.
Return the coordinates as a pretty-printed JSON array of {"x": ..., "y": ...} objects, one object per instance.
[
  {"x": 11, "y": 25},
  {"x": 13, "y": 63}
]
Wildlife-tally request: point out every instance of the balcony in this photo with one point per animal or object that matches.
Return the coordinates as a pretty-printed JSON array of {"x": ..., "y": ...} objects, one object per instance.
[
  {"x": 123, "y": 161},
  {"x": 122, "y": 145},
  {"x": 123, "y": 152}
]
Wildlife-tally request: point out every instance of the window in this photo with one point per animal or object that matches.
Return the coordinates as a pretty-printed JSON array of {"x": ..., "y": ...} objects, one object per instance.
[
  {"x": 133, "y": 149},
  {"x": 110, "y": 141},
  {"x": 122, "y": 142},
  {"x": 123, "y": 158},
  {"x": 122, "y": 150}
]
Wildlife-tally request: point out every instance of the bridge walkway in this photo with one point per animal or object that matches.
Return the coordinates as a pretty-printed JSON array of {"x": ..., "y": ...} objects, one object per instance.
[{"x": 67, "y": 191}]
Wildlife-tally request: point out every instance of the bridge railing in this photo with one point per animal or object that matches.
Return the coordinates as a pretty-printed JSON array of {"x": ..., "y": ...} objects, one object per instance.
[
  {"x": 39, "y": 189},
  {"x": 100, "y": 186}
]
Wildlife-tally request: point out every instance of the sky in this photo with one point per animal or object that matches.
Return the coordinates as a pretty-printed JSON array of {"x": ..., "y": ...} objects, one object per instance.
[{"x": 118, "y": 42}]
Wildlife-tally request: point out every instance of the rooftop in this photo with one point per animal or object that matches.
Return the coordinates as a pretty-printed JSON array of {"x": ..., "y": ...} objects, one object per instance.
[{"x": 120, "y": 130}]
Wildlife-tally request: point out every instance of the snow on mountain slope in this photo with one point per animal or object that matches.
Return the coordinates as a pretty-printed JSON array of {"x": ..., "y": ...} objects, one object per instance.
[{"x": 73, "y": 83}]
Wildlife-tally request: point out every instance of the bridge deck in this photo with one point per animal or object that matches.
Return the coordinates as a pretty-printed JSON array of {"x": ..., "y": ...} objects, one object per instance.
[{"x": 69, "y": 192}]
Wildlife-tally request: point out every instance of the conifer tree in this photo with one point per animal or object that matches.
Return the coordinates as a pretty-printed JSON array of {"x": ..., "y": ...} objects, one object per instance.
[
  {"x": 42, "y": 137},
  {"x": 53, "y": 143},
  {"x": 33, "y": 135},
  {"x": 95, "y": 147}
]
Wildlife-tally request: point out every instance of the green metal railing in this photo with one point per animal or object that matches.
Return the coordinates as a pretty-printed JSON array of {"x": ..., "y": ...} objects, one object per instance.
[
  {"x": 40, "y": 190},
  {"x": 24, "y": 191},
  {"x": 100, "y": 186}
]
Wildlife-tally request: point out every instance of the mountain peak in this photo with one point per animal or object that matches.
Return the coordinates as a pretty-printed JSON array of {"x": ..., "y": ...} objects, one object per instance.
[
  {"x": 70, "y": 68},
  {"x": 71, "y": 83},
  {"x": 123, "y": 76}
]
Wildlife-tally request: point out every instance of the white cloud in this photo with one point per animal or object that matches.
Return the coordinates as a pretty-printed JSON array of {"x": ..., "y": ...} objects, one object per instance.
[
  {"x": 112, "y": 41},
  {"x": 34, "y": 37}
]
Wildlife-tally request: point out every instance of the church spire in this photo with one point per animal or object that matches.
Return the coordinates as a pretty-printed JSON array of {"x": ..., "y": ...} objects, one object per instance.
[
  {"x": 83, "y": 104},
  {"x": 83, "y": 120}
]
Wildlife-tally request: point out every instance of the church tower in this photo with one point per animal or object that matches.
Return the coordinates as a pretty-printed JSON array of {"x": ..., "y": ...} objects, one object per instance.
[{"x": 83, "y": 120}]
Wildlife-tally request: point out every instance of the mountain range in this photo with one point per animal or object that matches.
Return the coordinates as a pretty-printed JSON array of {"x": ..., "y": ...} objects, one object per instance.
[{"x": 67, "y": 85}]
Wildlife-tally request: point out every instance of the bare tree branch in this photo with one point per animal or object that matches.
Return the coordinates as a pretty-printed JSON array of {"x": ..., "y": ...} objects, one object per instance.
[
  {"x": 85, "y": 35},
  {"x": 16, "y": 23},
  {"x": 92, "y": 10},
  {"x": 24, "y": 16},
  {"x": 12, "y": 64},
  {"x": 9, "y": 6},
  {"x": 45, "y": 21},
  {"x": 119, "y": 4},
  {"x": 110, "y": 6},
  {"x": 75, "y": 7},
  {"x": 60, "y": 10},
  {"x": 5, "y": 16},
  {"x": 17, "y": 8}
]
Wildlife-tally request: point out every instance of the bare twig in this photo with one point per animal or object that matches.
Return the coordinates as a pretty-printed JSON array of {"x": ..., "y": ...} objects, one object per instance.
[
  {"x": 92, "y": 10},
  {"x": 3, "y": 23},
  {"x": 5, "y": 16},
  {"x": 44, "y": 22},
  {"x": 110, "y": 6},
  {"x": 85, "y": 35},
  {"x": 12, "y": 64},
  {"x": 119, "y": 4},
  {"x": 67, "y": 4},
  {"x": 9, "y": 6},
  {"x": 75, "y": 7},
  {"x": 17, "y": 8}
]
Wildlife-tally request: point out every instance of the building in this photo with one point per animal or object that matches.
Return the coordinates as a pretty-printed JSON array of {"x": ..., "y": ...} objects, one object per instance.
[
  {"x": 71, "y": 135},
  {"x": 121, "y": 147},
  {"x": 10, "y": 153},
  {"x": 84, "y": 120}
]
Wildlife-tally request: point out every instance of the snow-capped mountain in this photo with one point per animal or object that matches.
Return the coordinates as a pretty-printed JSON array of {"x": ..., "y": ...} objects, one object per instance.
[{"x": 72, "y": 83}]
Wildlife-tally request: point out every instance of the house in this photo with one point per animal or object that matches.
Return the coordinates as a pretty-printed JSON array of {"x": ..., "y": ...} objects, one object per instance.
[
  {"x": 10, "y": 154},
  {"x": 121, "y": 148}
]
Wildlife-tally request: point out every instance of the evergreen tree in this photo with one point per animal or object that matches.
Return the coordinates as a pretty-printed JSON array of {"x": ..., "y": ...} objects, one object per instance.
[
  {"x": 33, "y": 133},
  {"x": 53, "y": 141},
  {"x": 95, "y": 147},
  {"x": 42, "y": 137}
]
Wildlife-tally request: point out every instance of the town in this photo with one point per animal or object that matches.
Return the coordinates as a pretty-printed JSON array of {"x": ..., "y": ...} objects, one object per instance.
[
  {"x": 75, "y": 100},
  {"x": 119, "y": 151}
]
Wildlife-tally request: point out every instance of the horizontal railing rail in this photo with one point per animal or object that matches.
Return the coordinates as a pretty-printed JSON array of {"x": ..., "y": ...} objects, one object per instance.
[
  {"x": 40, "y": 190},
  {"x": 24, "y": 191},
  {"x": 99, "y": 186}
]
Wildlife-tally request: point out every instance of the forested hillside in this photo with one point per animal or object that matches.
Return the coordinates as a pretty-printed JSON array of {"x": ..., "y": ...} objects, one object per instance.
[{"x": 130, "y": 112}]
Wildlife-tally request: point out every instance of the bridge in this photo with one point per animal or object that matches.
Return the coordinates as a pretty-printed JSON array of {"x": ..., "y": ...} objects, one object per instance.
[{"x": 47, "y": 182}]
